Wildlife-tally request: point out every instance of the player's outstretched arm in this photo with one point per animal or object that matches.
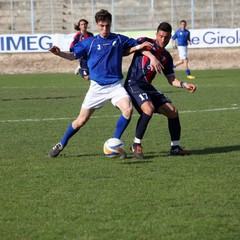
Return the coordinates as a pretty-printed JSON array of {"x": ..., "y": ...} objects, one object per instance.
[
  {"x": 67, "y": 55},
  {"x": 144, "y": 46},
  {"x": 179, "y": 84},
  {"x": 155, "y": 64}
]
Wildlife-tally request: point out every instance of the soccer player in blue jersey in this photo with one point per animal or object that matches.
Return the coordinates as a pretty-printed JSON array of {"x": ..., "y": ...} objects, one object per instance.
[
  {"x": 183, "y": 39},
  {"x": 104, "y": 54},
  {"x": 147, "y": 99},
  {"x": 82, "y": 34}
]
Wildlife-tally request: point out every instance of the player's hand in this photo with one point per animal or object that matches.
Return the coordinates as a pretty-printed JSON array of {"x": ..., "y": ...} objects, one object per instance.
[
  {"x": 55, "y": 50},
  {"x": 155, "y": 65},
  {"x": 191, "y": 87},
  {"x": 146, "y": 46}
]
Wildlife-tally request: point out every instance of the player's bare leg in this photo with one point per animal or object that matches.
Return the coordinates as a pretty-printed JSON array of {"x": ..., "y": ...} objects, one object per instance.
[
  {"x": 125, "y": 106},
  {"x": 82, "y": 118},
  {"x": 178, "y": 63}
]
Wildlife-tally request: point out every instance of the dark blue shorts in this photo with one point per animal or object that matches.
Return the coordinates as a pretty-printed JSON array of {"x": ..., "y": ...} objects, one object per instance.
[
  {"x": 83, "y": 70},
  {"x": 147, "y": 93}
]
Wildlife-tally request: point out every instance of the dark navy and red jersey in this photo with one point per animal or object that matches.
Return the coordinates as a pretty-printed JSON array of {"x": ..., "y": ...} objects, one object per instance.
[
  {"x": 139, "y": 77},
  {"x": 79, "y": 37},
  {"x": 140, "y": 67}
]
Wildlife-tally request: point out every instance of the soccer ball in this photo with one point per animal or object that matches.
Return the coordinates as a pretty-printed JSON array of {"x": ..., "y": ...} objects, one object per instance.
[{"x": 114, "y": 148}]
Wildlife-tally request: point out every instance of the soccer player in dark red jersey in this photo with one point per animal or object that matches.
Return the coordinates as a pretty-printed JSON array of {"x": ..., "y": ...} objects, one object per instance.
[
  {"x": 147, "y": 99},
  {"x": 82, "y": 34}
]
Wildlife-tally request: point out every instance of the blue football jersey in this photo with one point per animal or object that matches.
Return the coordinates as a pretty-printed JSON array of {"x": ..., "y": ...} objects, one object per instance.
[
  {"x": 182, "y": 36},
  {"x": 140, "y": 71},
  {"x": 104, "y": 56}
]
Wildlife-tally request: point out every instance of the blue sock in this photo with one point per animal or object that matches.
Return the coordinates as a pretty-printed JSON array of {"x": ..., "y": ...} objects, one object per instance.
[
  {"x": 188, "y": 72},
  {"x": 121, "y": 125},
  {"x": 69, "y": 133}
]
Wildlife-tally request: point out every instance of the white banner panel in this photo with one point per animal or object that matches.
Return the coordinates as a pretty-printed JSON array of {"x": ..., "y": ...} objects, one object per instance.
[
  {"x": 17, "y": 43},
  {"x": 201, "y": 38},
  {"x": 218, "y": 37}
]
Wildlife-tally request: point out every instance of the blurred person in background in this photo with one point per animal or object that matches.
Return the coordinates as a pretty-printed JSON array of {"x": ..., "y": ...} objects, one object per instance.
[
  {"x": 82, "y": 34},
  {"x": 182, "y": 35}
]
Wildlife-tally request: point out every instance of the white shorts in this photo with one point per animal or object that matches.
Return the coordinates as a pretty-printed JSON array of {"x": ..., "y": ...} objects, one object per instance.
[
  {"x": 182, "y": 51},
  {"x": 97, "y": 95}
]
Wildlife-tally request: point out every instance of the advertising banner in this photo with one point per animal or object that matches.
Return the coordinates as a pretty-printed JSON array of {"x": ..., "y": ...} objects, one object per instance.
[
  {"x": 218, "y": 37},
  {"x": 26, "y": 43},
  {"x": 201, "y": 38}
]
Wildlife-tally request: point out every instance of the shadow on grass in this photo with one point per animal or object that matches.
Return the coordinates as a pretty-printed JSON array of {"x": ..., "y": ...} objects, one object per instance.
[
  {"x": 38, "y": 98},
  {"x": 213, "y": 150},
  {"x": 147, "y": 158},
  {"x": 204, "y": 151},
  {"x": 67, "y": 156},
  {"x": 131, "y": 161},
  {"x": 151, "y": 155},
  {"x": 81, "y": 155}
]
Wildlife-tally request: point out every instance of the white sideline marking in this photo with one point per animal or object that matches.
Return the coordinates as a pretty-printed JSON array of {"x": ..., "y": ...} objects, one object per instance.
[
  {"x": 49, "y": 87},
  {"x": 107, "y": 116},
  {"x": 210, "y": 110}
]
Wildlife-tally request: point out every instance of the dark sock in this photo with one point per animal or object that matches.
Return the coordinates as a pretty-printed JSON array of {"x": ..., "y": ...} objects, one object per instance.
[
  {"x": 142, "y": 125},
  {"x": 174, "y": 129}
]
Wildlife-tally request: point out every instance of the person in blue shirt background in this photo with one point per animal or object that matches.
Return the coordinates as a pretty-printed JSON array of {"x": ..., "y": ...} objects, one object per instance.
[
  {"x": 183, "y": 39},
  {"x": 104, "y": 54}
]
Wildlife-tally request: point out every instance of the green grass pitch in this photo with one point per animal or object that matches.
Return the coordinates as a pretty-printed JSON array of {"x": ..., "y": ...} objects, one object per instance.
[{"x": 84, "y": 195}]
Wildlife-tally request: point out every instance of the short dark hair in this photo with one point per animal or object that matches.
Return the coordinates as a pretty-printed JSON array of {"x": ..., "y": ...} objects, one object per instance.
[
  {"x": 183, "y": 21},
  {"x": 76, "y": 26},
  {"x": 164, "y": 26},
  {"x": 103, "y": 15}
]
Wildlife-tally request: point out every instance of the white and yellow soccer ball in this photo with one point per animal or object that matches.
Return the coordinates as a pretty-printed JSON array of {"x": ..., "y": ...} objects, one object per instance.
[{"x": 114, "y": 148}]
